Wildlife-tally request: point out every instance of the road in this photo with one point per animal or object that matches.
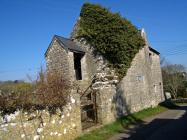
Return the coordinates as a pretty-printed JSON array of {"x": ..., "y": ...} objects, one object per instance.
[{"x": 169, "y": 125}]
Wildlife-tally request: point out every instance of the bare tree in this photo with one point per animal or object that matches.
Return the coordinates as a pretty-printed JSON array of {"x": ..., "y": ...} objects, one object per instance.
[{"x": 173, "y": 78}]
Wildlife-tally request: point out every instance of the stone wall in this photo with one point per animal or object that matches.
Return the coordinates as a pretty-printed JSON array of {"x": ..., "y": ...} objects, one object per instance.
[
  {"x": 105, "y": 85},
  {"x": 92, "y": 63},
  {"x": 142, "y": 86},
  {"x": 157, "y": 84},
  {"x": 139, "y": 89},
  {"x": 136, "y": 91},
  {"x": 60, "y": 60},
  {"x": 106, "y": 106},
  {"x": 135, "y": 85},
  {"x": 40, "y": 124}
]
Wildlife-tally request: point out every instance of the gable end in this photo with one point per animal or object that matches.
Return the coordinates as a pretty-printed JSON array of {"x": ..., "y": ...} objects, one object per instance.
[{"x": 67, "y": 44}]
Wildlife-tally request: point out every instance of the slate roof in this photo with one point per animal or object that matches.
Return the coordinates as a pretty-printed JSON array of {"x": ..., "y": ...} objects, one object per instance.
[
  {"x": 153, "y": 50},
  {"x": 66, "y": 44}
]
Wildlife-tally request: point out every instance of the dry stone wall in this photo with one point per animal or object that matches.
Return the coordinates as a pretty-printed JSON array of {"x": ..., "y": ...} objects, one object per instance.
[{"x": 40, "y": 124}]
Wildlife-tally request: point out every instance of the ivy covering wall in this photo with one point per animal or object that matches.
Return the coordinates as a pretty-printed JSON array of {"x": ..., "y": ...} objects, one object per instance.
[{"x": 112, "y": 35}]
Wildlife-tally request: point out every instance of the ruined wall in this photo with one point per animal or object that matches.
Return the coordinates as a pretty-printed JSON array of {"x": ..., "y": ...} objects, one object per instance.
[
  {"x": 64, "y": 125},
  {"x": 104, "y": 82},
  {"x": 139, "y": 89},
  {"x": 136, "y": 91},
  {"x": 91, "y": 64}
]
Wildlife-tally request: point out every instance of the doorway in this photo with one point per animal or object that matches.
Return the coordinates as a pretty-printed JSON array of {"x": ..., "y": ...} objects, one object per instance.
[{"x": 77, "y": 65}]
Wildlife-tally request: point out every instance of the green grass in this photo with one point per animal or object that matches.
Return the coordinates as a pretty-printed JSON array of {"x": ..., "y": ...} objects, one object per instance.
[{"x": 107, "y": 131}]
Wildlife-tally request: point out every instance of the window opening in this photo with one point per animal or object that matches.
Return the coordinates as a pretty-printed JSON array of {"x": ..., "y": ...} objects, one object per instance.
[{"x": 77, "y": 65}]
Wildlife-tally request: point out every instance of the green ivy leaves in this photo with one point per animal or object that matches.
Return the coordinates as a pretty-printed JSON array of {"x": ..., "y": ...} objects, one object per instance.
[{"x": 111, "y": 35}]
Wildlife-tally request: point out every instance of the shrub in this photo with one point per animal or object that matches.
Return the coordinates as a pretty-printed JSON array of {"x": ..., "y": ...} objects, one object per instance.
[
  {"x": 50, "y": 91},
  {"x": 16, "y": 97}
]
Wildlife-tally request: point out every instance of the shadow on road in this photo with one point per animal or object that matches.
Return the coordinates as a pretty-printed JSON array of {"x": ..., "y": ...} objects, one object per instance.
[{"x": 166, "y": 128}]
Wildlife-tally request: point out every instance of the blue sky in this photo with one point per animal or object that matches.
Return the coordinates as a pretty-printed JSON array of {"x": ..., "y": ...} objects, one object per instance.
[{"x": 27, "y": 26}]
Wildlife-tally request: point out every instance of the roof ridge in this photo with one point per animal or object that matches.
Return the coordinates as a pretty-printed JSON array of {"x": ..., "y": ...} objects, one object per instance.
[
  {"x": 68, "y": 43},
  {"x": 62, "y": 37}
]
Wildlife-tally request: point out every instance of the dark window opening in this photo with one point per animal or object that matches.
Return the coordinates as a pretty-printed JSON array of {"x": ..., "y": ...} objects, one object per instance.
[
  {"x": 77, "y": 65},
  {"x": 150, "y": 57}
]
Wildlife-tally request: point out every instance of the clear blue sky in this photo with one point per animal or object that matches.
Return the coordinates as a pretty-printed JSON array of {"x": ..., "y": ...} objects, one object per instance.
[{"x": 27, "y": 26}]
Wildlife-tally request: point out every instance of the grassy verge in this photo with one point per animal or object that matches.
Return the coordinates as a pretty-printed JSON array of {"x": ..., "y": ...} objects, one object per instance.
[{"x": 107, "y": 131}]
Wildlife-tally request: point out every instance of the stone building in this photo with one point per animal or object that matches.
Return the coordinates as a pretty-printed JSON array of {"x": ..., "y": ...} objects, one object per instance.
[{"x": 103, "y": 98}]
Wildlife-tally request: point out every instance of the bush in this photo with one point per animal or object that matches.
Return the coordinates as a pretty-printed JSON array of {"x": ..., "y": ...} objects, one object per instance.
[
  {"x": 111, "y": 35},
  {"x": 50, "y": 91}
]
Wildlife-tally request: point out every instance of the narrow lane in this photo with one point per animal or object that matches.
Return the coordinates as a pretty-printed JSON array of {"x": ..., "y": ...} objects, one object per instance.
[{"x": 169, "y": 125}]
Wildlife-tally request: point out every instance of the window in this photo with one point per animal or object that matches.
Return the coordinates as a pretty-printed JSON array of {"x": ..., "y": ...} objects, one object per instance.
[
  {"x": 150, "y": 57},
  {"x": 155, "y": 88},
  {"x": 140, "y": 78}
]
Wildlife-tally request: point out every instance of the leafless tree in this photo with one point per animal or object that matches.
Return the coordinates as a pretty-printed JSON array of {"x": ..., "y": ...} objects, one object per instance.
[{"x": 173, "y": 78}]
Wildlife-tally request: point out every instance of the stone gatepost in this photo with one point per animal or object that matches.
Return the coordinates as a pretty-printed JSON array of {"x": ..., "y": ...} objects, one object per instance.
[{"x": 105, "y": 106}]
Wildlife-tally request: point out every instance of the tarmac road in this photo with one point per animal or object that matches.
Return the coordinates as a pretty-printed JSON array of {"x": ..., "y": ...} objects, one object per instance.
[{"x": 169, "y": 125}]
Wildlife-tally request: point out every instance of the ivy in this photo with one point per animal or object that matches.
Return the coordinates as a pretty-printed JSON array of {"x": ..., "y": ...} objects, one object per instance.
[{"x": 112, "y": 35}]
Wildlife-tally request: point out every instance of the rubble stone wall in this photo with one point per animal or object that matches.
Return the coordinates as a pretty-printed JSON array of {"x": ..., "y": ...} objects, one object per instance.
[
  {"x": 40, "y": 124},
  {"x": 142, "y": 86},
  {"x": 157, "y": 84},
  {"x": 139, "y": 89},
  {"x": 60, "y": 60}
]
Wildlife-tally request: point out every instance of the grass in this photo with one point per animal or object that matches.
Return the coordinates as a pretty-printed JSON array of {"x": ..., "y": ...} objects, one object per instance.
[{"x": 107, "y": 131}]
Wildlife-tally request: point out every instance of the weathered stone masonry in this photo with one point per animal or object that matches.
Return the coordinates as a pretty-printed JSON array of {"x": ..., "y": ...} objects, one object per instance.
[
  {"x": 141, "y": 87},
  {"x": 64, "y": 125},
  {"x": 99, "y": 97},
  {"x": 60, "y": 60}
]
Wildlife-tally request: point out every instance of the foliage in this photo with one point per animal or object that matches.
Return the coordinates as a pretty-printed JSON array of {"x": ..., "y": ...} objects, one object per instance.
[
  {"x": 14, "y": 96},
  {"x": 52, "y": 89},
  {"x": 108, "y": 130},
  {"x": 49, "y": 91},
  {"x": 182, "y": 92},
  {"x": 10, "y": 86},
  {"x": 111, "y": 35},
  {"x": 174, "y": 79}
]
